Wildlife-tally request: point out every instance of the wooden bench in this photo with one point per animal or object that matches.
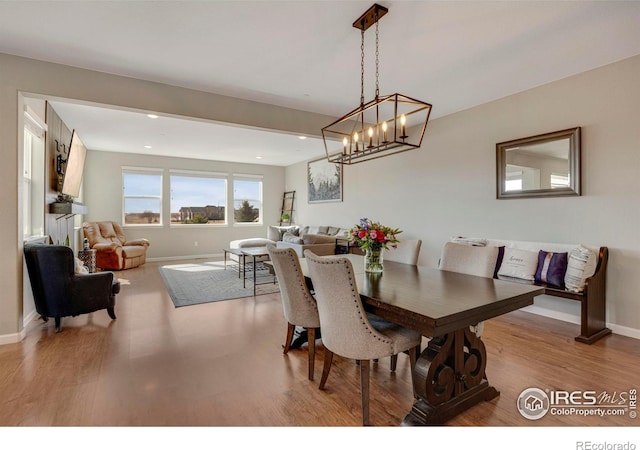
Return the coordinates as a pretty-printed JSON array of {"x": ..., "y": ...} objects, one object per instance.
[
  {"x": 593, "y": 303},
  {"x": 592, "y": 299}
]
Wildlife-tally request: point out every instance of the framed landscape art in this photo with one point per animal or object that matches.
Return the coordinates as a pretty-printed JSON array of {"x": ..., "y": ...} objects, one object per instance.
[{"x": 324, "y": 181}]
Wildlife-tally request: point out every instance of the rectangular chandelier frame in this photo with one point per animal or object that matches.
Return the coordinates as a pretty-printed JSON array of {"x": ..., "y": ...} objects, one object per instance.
[{"x": 384, "y": 126}]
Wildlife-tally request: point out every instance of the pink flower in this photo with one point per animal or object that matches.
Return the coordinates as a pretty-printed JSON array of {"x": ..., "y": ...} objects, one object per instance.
[{"x": 374, "y": 234}]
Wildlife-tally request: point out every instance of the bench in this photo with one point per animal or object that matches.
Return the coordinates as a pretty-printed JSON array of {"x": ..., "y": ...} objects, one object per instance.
[{"x": 592, "y": 298}]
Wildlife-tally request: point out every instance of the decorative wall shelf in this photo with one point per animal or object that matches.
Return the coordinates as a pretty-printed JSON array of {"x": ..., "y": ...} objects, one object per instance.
[{"x": 68, "y": 208}]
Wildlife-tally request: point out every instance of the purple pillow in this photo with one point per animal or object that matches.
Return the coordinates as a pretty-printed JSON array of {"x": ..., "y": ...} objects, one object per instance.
[{"x": 551, "y": 268}]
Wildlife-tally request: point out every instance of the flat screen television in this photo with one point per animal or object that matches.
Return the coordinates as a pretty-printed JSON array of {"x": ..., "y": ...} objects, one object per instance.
[{"x": 75, "y": 167}]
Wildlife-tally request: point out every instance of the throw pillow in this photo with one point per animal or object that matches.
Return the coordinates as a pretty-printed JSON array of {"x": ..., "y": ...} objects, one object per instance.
[
  {"x": 291, "y": 238},
  {"x": 518, "y": 263},
  {"x": 475, "y": 242},
  {"x": 551, "y": 268},
  {"x": 333, "y": 231},
  {"x": 581, "y": 265},
  {"x": 80, "y": 267},
  {"x": 275, "y": 232}
]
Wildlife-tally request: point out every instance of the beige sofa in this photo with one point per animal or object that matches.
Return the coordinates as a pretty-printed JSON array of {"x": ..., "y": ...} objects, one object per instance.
[{"x": 321, "y": 240}]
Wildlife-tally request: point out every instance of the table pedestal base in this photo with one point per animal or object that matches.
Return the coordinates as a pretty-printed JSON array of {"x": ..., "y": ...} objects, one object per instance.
[{"x": 449, "y": 378}]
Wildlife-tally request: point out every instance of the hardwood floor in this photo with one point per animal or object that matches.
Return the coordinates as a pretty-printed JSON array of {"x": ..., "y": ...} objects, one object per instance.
[{"x": 221, "y": 364}]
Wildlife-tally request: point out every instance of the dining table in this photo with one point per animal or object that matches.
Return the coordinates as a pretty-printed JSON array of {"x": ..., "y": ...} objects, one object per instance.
[{"x": 450, "y": 373}]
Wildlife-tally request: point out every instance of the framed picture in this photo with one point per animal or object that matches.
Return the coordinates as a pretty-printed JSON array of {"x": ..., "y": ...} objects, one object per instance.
[{"x": 324, "y": 181}]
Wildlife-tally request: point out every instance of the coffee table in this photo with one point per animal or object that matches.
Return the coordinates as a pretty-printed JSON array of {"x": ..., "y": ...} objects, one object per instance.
[{"x": 253, "y": 253}]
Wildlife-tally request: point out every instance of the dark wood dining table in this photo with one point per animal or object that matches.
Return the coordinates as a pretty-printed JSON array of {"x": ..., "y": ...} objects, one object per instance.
[{"x": 450, "y": 373}]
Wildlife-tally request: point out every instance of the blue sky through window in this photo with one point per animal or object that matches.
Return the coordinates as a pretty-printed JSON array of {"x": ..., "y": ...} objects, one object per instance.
[{"x": 197, "y": 191}]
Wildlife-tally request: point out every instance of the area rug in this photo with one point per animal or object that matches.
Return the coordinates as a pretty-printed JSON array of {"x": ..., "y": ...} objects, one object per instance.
[{"x": 204, "y": 282}]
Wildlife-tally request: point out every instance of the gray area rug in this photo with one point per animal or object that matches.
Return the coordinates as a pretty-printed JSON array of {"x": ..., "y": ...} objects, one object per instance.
[{"x": 204, "y": 282}]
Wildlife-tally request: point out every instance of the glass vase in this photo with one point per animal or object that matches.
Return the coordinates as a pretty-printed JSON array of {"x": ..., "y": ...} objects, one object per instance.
[{"x": 373, "y": 260}]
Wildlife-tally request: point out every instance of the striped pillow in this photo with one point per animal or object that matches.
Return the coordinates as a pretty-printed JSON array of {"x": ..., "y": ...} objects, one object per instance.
[{"x": 581, "y": 265}]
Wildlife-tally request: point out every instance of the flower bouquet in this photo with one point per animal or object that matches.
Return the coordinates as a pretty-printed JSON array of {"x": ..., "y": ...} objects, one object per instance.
[{"x": 372, "y": 237}]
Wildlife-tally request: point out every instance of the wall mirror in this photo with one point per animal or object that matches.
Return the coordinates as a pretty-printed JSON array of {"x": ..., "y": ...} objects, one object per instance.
[{"x": 547, "y": 165}]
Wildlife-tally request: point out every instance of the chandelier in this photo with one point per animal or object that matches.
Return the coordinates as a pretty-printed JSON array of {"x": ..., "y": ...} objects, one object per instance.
[{"x": 384, "y": 126}]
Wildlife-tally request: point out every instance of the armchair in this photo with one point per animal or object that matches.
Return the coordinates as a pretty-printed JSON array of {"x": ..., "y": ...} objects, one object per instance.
[
  {"x": 58, "y": 291},
  {"x": 113, "y": 251}
]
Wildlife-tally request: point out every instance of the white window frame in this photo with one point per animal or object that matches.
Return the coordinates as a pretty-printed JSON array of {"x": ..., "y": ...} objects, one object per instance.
[
  {"x": 259, "y": 201},
  {"x": 200, "y": 174},
  {"x": 142, "y": 171}
]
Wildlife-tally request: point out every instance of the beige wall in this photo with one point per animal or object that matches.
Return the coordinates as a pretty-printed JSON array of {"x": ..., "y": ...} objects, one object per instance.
[
  {"x": 103, "y": 194},
  {"x": 447, "y": 187},
  {"x": 46, "y": 80}
]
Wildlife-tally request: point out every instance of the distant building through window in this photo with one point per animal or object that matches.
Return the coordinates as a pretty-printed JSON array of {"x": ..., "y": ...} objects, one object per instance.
[{"x": 198, "y": 198}]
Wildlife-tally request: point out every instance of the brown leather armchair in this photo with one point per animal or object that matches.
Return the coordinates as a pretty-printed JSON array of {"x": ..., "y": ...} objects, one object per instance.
[{"x": 113, "y": 251}]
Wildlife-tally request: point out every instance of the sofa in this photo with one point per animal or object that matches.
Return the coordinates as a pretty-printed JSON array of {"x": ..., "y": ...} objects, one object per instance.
[
  {"x": 113, "y": 250},
  {"x": 570, "y": 271},
  {"x": 321, "y": 240}
]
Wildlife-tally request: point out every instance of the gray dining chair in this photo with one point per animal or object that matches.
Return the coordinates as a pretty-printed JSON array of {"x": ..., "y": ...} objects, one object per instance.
[
  {"x": 346, "y": 330},
  {"x": 300, "y": 308},
  {"x": 471, "y": 260},
  {"x": 406, "y": 252}
]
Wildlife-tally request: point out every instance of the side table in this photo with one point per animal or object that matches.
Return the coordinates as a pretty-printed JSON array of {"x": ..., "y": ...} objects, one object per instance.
[{"x": 88, "y": 258}]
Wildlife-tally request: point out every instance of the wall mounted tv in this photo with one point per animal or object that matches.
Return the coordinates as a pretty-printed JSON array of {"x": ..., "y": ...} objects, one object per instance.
[{"x": 74, "y": 167}]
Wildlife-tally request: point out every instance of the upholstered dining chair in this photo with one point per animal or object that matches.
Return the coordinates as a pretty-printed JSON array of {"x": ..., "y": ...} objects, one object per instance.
[
  {"x": 472, "y": 260},
  {"x": 406, "y": 252},
  {"x": 346, "y": 330},
  {"x": 299, "y": 306}
]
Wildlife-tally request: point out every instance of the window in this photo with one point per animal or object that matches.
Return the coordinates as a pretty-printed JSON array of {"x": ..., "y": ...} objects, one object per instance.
[
  {"x": 198, "y": 198},
  {"x": 33, "y": 176},
  {"x": 247, "y": 199},
  {"x": 560, "y": 180},
  {"x": 142, "y": 196}
]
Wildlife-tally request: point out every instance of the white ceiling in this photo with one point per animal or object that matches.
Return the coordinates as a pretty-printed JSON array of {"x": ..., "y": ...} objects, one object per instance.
[{"x": 306, "y": 55}]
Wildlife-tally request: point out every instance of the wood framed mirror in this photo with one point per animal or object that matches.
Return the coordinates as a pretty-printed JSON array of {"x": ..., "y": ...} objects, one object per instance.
[{"x": 546, "y": 165}]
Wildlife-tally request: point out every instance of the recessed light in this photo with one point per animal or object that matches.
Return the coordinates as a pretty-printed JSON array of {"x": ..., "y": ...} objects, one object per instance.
[
  {"x": 258, "y": 157},
  {"x": 152, "y": 116},
  {"x": 302, "y": 137},
  {"x": 147, "y": 146}
]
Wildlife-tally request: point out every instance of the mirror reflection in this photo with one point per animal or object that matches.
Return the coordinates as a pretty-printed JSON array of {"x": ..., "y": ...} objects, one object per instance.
[{"x": 544, "y": 165}]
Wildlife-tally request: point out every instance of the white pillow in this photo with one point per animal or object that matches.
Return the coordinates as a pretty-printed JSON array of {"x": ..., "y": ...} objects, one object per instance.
[
  {"x": 518, "y": 263},
  {"x": 475, "y": 242},
  {"x": 80, "y": 267},
  {"x": 581, "y": 265}
]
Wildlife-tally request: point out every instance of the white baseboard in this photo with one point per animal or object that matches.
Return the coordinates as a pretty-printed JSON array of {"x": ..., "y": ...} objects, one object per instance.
[
  {"x": 617, "y": 329},
  {"x": 12, "y": 338},
  {"x": 32, "y": 315}
]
